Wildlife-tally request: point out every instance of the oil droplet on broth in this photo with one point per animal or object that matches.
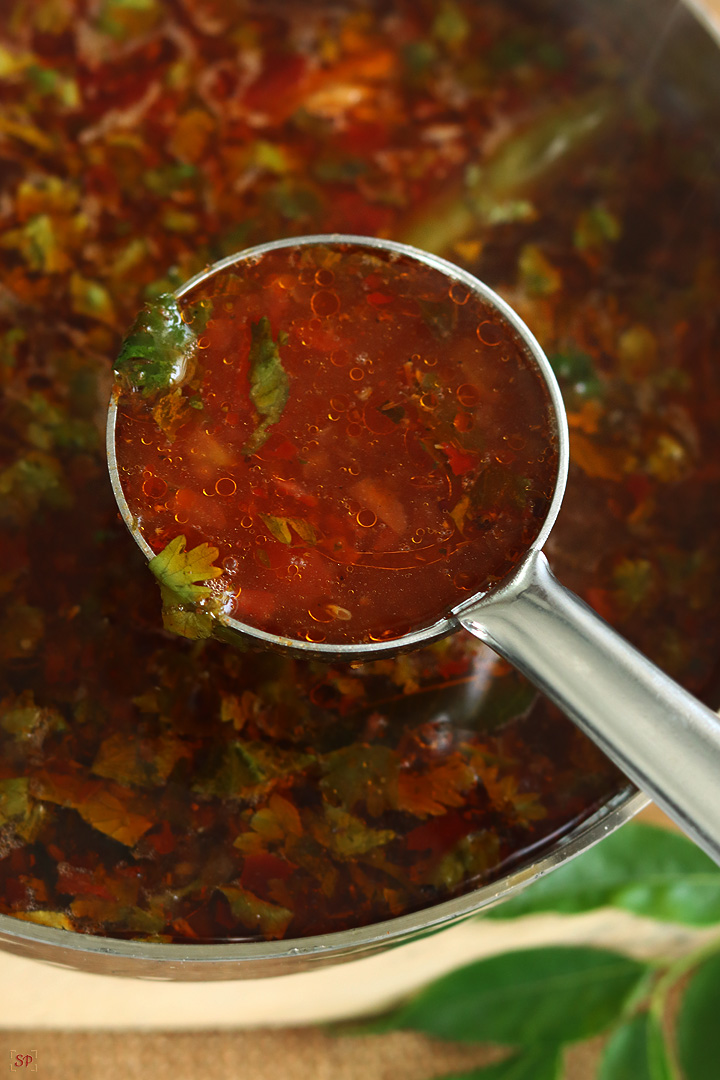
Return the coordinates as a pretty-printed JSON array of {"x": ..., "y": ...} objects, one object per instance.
[
  {"x": 154, "y": 487},
  {"x": 489, "y": 333},
  {"x": 226, "y": 486},
  {"x": 320, "y": 614},
  {"x": 468, "y": 395},
  {"x": 325, "y": 303},
  {"x": 324, "y": 277},
  {"x": 459, "y": 293}
]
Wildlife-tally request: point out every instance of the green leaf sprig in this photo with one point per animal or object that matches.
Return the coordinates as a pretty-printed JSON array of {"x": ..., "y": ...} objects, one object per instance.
[{"x": 536, "y": 1002}]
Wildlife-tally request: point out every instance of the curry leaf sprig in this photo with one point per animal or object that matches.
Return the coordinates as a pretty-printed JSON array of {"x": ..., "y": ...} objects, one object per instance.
[{"x": 537, "y": 1002}]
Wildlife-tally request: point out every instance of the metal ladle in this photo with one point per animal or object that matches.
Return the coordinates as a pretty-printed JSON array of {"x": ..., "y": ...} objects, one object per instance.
[{"x": 662, "y": 737}]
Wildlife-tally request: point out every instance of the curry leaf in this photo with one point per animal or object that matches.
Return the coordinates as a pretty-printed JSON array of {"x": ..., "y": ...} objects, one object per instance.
[
  {"x": 659, "y": 1056},
  {"x": 179, "y": 570},
  {"x": 269, "y": 382},
  {"x": 698, "y": 1032},
  {"x": 640, "y": 868},
  {"x": 535, "y": 1063},
  {"x": 156, "y": 351},
  {"x": 626, "y": 1055},
  {"x": 533, "y": 996}
]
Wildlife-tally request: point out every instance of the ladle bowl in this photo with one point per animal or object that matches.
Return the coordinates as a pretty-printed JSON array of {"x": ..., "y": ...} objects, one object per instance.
[{"x": 665, "y": 740}]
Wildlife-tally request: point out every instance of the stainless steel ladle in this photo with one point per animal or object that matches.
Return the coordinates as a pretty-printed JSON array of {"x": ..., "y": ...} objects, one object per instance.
[{"x": 662, "y": 737}]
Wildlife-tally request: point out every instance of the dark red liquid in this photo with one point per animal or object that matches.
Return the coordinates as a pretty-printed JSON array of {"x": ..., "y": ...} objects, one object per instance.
[{"x": 409, "y": 465}]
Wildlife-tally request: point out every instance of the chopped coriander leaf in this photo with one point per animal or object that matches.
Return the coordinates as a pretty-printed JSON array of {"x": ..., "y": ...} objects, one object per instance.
[
  {"x": 156, "y": 352},
  {"x": 183, "y": 619},
  {"x": 269, "y": 382},
  {"x": 179, "y": 570}
]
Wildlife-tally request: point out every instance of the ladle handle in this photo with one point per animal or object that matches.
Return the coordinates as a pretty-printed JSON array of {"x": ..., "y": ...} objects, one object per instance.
[{"x": 662, "y": 737}]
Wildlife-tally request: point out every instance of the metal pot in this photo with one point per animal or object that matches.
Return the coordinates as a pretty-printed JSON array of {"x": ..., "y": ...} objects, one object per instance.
[{"x": 686, "y": 53}]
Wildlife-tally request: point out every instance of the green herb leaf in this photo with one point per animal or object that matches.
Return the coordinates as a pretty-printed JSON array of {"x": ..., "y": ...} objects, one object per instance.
[
  {"x": 171, "y": 412},
  {"x": 184, "y": 619},
  {"x": 537, "y": 274},
  {"x": 439, "y": 316},
  {"x": 304, "y": 530},
  {"x": 14, "y": 799},
  {"x": 32, "y": 482},
  {"x": 596, "y": 228},
  {"x": 626, "y": 1054},
  {"x": 348, "y": 836},
  {"x": 156, "y": 352},
  {"x": 533, "y": 996},
  {"x": 178, "y": 570},
  {"x": 698, "y": 1031},
  {"x": 280, "y": 529},
  {"x": 577, "y": 370},
  {"x": 269, "y": 382},
  {"x": 257, "y": 915},
  {"x": 450, "y": 25},
  {"x": 242, "y": 768},
  {"x": 640, "y": 868},
  {"x": 164, "y": 181},
  {"x": 27, "y": 721},
  {"x": 535, "y": 1063},
  {"x": 659, "y": 1053}
]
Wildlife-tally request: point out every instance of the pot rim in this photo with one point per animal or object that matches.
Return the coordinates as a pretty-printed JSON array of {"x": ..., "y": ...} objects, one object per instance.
[{"x": 159, "y": 960}]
